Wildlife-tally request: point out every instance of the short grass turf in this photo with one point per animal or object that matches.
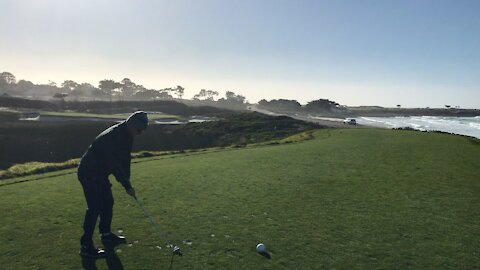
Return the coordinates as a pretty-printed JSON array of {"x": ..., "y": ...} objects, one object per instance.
[{"x": 348, "y": 199}]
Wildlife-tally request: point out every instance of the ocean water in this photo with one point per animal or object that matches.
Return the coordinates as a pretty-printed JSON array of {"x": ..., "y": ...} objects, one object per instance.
[{"x": 459, "y": 125}]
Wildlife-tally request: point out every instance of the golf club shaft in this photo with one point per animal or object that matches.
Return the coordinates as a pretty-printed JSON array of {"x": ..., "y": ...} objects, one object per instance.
[{"x": 163, "y": 236}]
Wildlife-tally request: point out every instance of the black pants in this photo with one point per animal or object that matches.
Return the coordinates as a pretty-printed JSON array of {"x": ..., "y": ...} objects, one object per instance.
[{"x": 98, "y": 194}]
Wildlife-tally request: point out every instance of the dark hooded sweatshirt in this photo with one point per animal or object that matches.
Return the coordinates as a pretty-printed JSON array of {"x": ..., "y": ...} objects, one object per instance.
[{"x": 108, "y": 154}]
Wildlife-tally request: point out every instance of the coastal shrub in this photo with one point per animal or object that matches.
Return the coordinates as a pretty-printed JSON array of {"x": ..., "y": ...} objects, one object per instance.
[
  {"x": 9, "y": 116},
  {"x": 56, "y": 142},
  {"x": 36, "y": 167},
  {"x": 474, "y": 140}
]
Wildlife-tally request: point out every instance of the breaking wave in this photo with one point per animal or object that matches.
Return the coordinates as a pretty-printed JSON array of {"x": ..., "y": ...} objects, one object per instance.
[{"x": 459, "y": 125}]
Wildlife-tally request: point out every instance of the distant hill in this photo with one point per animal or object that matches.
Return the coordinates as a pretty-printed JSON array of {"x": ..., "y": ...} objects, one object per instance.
[
  {"x": 165, "y": 106},
  {"x": 327, "y": 108},
  {"x": 16, "y": 102},
  {"x": 25, "y": 141}
]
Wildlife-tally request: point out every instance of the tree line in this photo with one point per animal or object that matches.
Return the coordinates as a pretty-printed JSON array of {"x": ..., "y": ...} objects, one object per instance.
[
  {"x": 107, "y": 89},
  {"x": 127, "y": 90},
  {"x": 293, "y": 106}
]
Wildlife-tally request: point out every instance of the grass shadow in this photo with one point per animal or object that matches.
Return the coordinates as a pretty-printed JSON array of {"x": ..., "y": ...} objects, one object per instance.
[
  {"x": 112, "y": 259},
  {"x": 266, "y": 255},
  {"x": 89, "y": 263}
]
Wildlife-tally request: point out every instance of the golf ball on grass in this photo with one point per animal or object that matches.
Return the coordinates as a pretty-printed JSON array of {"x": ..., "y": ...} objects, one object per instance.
[{"x": 261, "y": 248}]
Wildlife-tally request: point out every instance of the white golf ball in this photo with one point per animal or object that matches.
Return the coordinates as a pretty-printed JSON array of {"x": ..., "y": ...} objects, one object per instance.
[{"x": 260, "y": 248}]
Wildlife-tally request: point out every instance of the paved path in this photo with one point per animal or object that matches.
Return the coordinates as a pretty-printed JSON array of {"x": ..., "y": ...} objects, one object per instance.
[{"x": 323, "y": 121}]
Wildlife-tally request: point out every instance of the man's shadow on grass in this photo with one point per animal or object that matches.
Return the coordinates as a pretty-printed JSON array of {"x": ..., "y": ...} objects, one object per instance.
[
  {"x": 89, "y": 263},
  {"x": 111, "y": 258}
]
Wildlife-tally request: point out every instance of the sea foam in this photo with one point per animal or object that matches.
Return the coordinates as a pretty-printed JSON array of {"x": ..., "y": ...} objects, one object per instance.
[{"x": 469, "y": 126}]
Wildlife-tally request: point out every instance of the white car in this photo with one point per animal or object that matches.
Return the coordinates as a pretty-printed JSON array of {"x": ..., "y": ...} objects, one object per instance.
[{"x": 350, "y": 121}]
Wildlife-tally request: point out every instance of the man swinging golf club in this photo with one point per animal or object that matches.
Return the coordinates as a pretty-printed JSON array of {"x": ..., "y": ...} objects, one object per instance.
[{"x": 108, "y": 154}]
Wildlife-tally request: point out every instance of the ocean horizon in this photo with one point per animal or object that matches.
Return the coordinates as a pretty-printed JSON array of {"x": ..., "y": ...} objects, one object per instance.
[{"x": 469, "y": 126}]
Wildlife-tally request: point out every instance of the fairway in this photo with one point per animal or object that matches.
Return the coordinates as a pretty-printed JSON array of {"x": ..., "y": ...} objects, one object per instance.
[{"x": 348, "y": 199}]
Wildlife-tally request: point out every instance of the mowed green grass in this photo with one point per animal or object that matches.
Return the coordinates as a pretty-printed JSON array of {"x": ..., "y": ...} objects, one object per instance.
[{"x": 349, "y": 199}]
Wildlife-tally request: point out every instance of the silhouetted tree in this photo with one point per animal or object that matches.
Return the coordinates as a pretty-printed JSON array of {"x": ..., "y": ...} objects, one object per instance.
[
  {"x": 99, "y": 93},
  {"x": 205, "y": 95},
  {"x": 164, "y": 95},
  {"x": 3, "y": 86},
  {"x": 179, "y": 91},
  {"x": 321, "y": 105},
  {"x": 84, "y": 89},
  {"x": 232, "y": 97},
  {"x": 146, "y": 94},
  {"x": 211, "y": 94},
  {"x": 24, "y": 87},
  {"x": 69, "y": 85},
  {"x": 107, "y": 86},
  {"x": 280, "y": 104},
  {"x": 263, "y": 102},
  {"x": 200, "y": 95},
  {"x": 128, "y": 88},
  {"x": 8, "y": 77},
  {"x": 46, "y": 89}
]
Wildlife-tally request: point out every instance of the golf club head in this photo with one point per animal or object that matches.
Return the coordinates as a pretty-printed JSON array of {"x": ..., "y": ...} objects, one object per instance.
[{"x": 177, "y": 250}]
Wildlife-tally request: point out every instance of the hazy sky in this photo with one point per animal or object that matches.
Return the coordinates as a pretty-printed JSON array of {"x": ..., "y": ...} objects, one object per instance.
[{"x": 358, "y": 52}]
